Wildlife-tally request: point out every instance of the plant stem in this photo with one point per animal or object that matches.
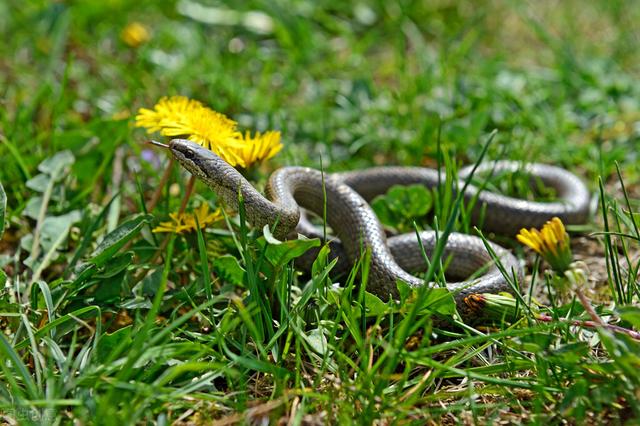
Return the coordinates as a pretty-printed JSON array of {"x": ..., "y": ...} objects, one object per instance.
[
  {"x": 587, "y": 307},
  {"x": 163, "y": 181},
  {"x": 163, "y": 245},
  {"x": 593, "y": 324},
  {"x": 187, "y": 194}
]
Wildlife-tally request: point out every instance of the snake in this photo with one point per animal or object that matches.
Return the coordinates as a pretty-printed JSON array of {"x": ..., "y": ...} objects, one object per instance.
[{"x": 343, "y": 200}]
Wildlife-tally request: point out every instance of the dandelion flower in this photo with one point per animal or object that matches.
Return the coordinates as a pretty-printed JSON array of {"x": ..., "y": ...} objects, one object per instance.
[
  {"x": 179, "y": 116},
  {"x": 186, "y": 222},
  {"x": 135, "y": 34},
  {"x": 259, "y": 147},
  {"x": 551, "y": 242}
]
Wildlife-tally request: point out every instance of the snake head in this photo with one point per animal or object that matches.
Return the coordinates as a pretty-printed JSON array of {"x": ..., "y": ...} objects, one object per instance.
[{"x": 191, "y": 155}]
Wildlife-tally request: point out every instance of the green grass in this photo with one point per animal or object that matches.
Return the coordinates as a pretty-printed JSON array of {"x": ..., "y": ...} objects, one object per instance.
[{"x": 106, "y": 322}]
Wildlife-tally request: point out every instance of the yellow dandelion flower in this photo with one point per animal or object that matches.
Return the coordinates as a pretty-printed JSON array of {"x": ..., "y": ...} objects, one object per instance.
[
  {"x": 211, "y": 130},
  {"x": 181, "y": 116},
  {"x": 166, "y": 110},
  {"x": 551, "y": 242},
  {"x": 186, "y": 222},
  {"x": 135, "y": 34},
  {"x": 260, "y": 147}
]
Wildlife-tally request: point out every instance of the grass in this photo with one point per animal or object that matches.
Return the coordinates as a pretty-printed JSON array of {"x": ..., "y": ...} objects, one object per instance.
[{"x": 106, "y": 322}]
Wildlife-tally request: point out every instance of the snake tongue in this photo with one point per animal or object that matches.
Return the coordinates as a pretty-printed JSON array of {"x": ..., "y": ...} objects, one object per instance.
[{"x": 156, "y": 143}]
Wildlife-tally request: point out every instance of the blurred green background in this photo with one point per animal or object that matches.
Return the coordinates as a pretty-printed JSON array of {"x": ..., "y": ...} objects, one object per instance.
[{"x": 360, "y": 82}]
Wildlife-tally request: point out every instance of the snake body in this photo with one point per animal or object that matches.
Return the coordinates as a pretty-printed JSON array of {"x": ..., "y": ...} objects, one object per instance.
[{"x": 355, "y": 224}]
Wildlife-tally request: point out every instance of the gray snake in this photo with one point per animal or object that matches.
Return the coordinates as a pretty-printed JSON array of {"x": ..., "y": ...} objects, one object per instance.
[{"x": 356, "y": 225}]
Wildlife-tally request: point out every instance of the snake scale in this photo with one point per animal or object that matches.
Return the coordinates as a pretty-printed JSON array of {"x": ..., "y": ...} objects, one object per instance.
[{"x": 357, "y": 227}]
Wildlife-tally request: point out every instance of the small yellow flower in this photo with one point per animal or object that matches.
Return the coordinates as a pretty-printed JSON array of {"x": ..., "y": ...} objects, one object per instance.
[
  {"x": 551, "y": 242},
  {"x": 135, "y": 34},
  {"x": 259, "y": 147},
  {"x": 181, "y": 116},
  {"x": 186, "y": 222}
]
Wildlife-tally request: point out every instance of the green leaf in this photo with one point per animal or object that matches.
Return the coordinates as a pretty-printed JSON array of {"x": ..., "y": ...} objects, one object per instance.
[
  {"x": 375, "y": 307},
  {"x": 384, "y": 212},
  {"x": 54, "y": 227},
  {"x": 39, "y": 182},
  {"x": 434, "y": 300},
  {"x": 402, "y": 204},
  {"x": 3, "y": 209},
  {"x": 109, "y": 289},
  {"x": 439, "y": 300},
  {"x": 116, "y": 265},
  {"x": 116, "y": 239},
  {"x": 228, "y": 268},
  {"x": 32, "y": 209},
  {"x": 55, "y": 230},
  {"x": 279, "y": 253},
  {"x": 630, "y": 314},
  {"x": 405, "y": 291},
  {"x": 151, "y": 283},
  {"x": 317, "y": 340},
  {"x": 56, "y": 165},
  {"x": 321, "y": 260},
  {"x": 109, "y": 342}
]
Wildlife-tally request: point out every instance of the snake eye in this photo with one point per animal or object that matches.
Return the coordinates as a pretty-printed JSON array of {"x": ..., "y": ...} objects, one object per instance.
[{"x": 189, "y": 153}]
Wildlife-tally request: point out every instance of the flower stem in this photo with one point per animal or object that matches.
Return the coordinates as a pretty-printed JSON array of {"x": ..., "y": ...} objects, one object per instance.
[
  {"x": 163, "y": 181},
  {"x": 187, "y": 194},
  {"x": 593, "y": 324},
  {"x": 588, "y": 308},
  {"x": 163, "y": 245}
]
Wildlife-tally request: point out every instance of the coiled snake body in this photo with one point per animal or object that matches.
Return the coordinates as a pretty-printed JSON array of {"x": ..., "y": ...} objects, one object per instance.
[{"x": 357, "y": 227}]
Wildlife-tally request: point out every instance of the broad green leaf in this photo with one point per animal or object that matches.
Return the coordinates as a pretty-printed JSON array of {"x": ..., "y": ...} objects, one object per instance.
[
  {"x": 55, "y": 166},
  {"x": 108, "y": 290},
  {"x": 321, "y": 260},
  {"x": 116, "y": 239},
  {"x": 283, "y": 252},
  {"x": 404, "y": 290},
  {"x": 375, "y": 306},
  {"x": 151, "y": 283},
  {"x": 3, "y": 209},
  {"x": 439, "y": 300},
  {"x": 55, "y": 230},
  {"x": 83, "y": 272},
  {"x": 110, "y": 341},
  {"x": 630, "y": 314},
  {"x": 435, "y": 300},
  {"x": 32, "y": 209},
  {"x": 55, "y": 226},
  {"x": 228, "y": 268},
  {"x": 39, "y": 182},
  {"x": 317, "y": 340},
  {"x": 402, "y": 204},
  {"x": 116, "y": 265}
]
